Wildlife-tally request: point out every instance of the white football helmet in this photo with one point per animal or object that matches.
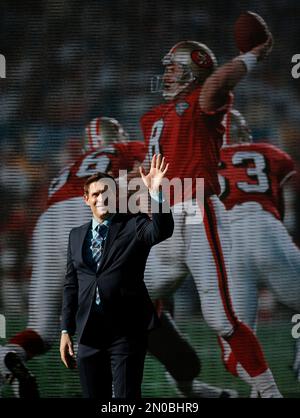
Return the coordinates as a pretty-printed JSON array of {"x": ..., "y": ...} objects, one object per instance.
[
  {"x": 103, "y": 131},
  {"x": 195, "y": 62},
  {"x": 237, "y": 130}
]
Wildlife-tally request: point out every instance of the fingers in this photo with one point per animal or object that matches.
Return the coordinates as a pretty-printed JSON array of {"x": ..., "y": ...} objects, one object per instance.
[
  {"x": 270, "y": 43},
  {"x": 68, "y": 359},
  {"x": 166, "y": 169},
  {"x": 263, "y": 50},
  {"x": 63, "y": 356},
  {"x": 267, "y": 46},
  {"x": 153, "y": 161},
  {"x": 67, "y": 353},
  {"x": 163, "y": 164},
  {"x": 141, "y": 171},
  {"x": 158, "y": 161},
  {"x": 71, "y": 351},
  {"x": 69, "y": 362},
  {"x": 71, "y": 357}
]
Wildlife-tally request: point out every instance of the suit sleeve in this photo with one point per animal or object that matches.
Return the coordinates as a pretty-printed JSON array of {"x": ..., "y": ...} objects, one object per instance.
[
  {"x": 158, "y": 229},
  {"x": 70, "y": 294}
]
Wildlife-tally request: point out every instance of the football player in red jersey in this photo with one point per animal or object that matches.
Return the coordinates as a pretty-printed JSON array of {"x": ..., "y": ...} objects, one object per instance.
[
  {"x": 252, "y": 176},
  {"x": 251, "y": 171},
  {"x": 105, "y": 149},
  {"x": 188, "y": 130}
]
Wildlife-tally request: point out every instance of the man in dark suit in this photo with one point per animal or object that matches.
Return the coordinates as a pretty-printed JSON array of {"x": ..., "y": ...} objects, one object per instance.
[{"x": 105, "y": 298}]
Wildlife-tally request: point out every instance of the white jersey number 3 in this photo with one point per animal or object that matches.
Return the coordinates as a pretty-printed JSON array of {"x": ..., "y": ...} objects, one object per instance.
[{"x": 257, "y": 171}]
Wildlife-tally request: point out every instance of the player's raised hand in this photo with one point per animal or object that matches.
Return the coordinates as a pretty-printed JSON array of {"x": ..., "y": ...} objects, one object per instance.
[
  {"x": 158, "y": 170},
  {"x": 263, "y": 50}
]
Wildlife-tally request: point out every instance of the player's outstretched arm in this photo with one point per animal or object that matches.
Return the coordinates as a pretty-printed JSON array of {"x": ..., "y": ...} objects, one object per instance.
[{"x": 215, "y": 90}]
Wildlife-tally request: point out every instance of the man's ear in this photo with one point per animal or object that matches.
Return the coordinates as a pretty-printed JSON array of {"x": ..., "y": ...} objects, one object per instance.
[{"x": 85, "y": 198}]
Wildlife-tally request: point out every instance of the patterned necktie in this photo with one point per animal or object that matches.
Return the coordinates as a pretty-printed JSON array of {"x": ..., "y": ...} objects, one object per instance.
[
  {"x": 97, "y": 249},
  {"x": 98, "y": 243}
]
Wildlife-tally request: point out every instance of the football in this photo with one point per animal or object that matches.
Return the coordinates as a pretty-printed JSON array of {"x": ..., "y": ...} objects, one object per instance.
[{"x": 250, "y": 30}]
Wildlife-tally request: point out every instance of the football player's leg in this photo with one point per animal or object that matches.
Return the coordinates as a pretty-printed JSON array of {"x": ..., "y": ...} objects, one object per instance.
[
  {"x": 49, "y": 247},
  {"x": 49, "y": 253},
  {"x": 167, "y": 344},
  {"x": 164, "y": 272},
  {"x": 280, "y": 261},
  {"x": 48, "y": 261},
  {"x": 296, "y": 364},
  {"x": 212, "y": 284},
  {"x": 45, "y": 299},
  {"x": 165, "y": 268},
  {"x": 282, "y": 269},
  {"x": 43, "y": 317},
  {"x": 244, "y": 272},
  {"x": 48, "y": 265},
  {"x": 28, "y": 342},
  {"x": 243, "y": 290}
]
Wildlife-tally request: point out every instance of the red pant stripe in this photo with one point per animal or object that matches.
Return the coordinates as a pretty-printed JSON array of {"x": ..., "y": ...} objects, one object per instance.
[{"x": 211, "y": 229}]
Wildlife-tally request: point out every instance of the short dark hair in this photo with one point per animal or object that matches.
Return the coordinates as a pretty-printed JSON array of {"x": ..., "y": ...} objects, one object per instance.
[{"x": 96, "y": 177}]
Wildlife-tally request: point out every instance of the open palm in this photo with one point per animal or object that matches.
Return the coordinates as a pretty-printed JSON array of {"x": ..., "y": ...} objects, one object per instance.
[{"x": 158, "y": 169}]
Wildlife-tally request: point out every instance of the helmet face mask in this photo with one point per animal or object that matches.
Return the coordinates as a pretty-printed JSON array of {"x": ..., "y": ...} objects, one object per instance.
[
  {"x": 187, "y": 63},
  {"x": 177, "y": 77},
  {"x": 103, "y": 131}
]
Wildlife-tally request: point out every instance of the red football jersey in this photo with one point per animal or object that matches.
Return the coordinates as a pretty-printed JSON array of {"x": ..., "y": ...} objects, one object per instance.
[
  {"x": 188, "y": 138},
  {"x": 110, "y": 158},
  {"x": 254, "y": 172}
]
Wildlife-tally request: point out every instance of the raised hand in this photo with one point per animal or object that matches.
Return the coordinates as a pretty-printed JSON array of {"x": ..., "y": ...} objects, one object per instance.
[
  {"x": 263, "y": 50},
  {"x": 158, "y": 169}
]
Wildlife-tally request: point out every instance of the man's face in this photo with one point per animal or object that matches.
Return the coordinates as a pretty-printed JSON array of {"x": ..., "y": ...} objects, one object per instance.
[
  {"x": 101, "y": 198},
  {"x": 173, "y": 73}
]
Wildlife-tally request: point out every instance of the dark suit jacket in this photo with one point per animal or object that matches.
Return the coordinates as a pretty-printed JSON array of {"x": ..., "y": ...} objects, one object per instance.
[{"x": 125, "y": 302}]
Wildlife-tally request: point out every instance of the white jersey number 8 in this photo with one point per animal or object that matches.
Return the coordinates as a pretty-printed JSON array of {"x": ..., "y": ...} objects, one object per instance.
[
  {"x": 156, "y": 132},
  {"x": 89, "y": 166}
]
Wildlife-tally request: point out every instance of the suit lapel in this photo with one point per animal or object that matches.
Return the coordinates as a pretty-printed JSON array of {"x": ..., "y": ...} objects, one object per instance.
[
  {"x": 82, "y": 236},
  {"x": 111, "y": 235}
]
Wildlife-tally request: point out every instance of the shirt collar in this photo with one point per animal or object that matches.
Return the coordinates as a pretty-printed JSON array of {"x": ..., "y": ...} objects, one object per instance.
[{"x": 107, "y": 222}]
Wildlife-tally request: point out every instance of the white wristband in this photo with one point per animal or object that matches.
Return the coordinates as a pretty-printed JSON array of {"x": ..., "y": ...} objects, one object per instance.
[{"x": 248, "y": 59}]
